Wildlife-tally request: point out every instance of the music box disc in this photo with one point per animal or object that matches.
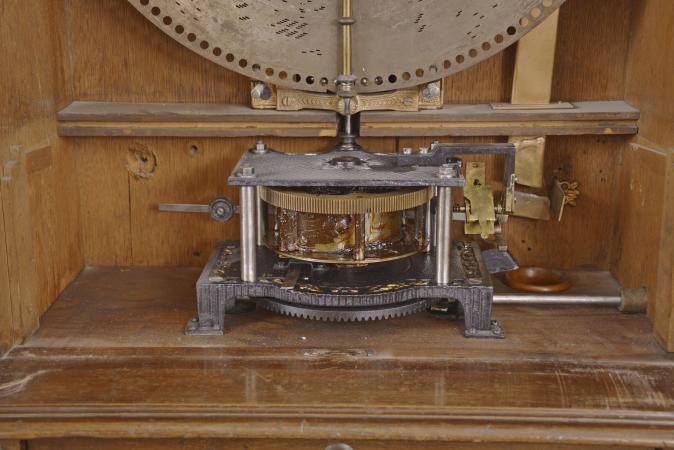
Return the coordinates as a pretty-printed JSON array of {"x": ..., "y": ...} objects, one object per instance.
[{"x": 297, "y": 43}]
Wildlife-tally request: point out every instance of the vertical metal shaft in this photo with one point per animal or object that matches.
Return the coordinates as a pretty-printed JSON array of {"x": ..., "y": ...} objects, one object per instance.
[
  {"x": 260, "y": 217},
  {"x": 443, "y": 235},
  {"x": 347, "y": 12},
  {"x": 428, "y": 225},
  {"x": 248, "y": 233}
]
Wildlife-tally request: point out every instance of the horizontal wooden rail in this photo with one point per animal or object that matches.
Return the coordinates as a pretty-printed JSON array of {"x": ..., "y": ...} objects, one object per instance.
[
  {"x": 212, "y": 120},
  {"x": 613, "y": 117}
]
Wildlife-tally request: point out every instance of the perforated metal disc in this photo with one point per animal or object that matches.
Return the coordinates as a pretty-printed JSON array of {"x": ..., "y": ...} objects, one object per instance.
[{"x": 297, "y": 43}]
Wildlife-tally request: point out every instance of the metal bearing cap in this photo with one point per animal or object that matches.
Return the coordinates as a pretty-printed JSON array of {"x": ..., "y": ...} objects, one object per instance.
[{"x": 221, "y": 209}]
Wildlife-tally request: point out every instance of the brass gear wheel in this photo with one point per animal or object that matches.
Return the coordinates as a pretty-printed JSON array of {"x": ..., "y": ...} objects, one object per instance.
[{"x": 351, "y": 203}]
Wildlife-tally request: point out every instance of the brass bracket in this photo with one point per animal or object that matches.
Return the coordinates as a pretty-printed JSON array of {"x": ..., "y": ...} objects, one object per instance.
[
  {"x": 531, "y": 206},
  {"x": 480, "y": 213},
  {"x": 268, "y": 96},
  {"x": 530, "y": 153},
  {"x": 538, "y": 207}
]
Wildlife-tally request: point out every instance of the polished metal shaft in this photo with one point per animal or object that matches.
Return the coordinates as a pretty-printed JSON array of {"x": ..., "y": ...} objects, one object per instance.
[
  {"x": 259, "y": 217},
  {"x": 248, "y": 233},
  {"x": 428, "y": 227},
  {"x": 347, "y": 51},
  {"x": 443, "y": 235}
]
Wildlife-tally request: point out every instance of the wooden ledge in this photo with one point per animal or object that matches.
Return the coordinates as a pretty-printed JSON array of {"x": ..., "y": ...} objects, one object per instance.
[
  {"x": 190, "y": 120},
  {"x": 611, "y": 117},
  {"x": 212, "y": 120}
]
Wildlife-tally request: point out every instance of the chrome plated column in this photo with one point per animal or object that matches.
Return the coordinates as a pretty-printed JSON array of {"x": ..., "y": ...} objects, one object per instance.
[
  {"x": 443, "y": 235},
  {"x": 248, "y": 233}
]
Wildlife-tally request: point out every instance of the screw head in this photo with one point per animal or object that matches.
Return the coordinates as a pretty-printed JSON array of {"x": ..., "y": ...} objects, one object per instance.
[
  {"x": 448, "y": 171},
  {"x": 260, "y": 147},
  {"x": 247, "y": 171}
]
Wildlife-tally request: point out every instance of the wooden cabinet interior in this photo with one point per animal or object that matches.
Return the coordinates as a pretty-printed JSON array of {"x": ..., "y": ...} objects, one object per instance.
[{"x": 73, "y": 200}]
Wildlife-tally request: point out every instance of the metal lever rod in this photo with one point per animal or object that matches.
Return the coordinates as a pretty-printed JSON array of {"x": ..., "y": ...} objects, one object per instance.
[
  {"x": 184, "y": 208},
  {"x": 221, "y": 209}
]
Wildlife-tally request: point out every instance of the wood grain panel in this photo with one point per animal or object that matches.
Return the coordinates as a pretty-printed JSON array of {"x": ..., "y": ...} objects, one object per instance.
[
  {"x": 12, "y": 445},
  {"x": 103, "y": 185},
  {"x": 650, "y": 71},
  {"x": 592, "y": 44},
  {"x": 6, "y": 318},
  {"x": 664, "y": 304},
  {"x": 118, "y": 55},
  {"x": 39, "y": 188},
  {"x": 19, "y": 238},
  {"x": 488, "y": 81},
  {"x": 636, "y": 239}
]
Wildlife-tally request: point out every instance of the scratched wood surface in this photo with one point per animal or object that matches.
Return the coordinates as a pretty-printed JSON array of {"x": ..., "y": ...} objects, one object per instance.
[{"x": 111, "y": 351}]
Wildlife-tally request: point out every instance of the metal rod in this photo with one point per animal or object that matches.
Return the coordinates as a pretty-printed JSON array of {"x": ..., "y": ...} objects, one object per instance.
[
  {"x": 443, "y": 234},
  {"x": 248, "y": 233},
  {"x": 347, "y": 12},
  {"x": 556, "y": 299},
  {"x": 260, "y": 217},
  {"x": 428, "y": 225}
]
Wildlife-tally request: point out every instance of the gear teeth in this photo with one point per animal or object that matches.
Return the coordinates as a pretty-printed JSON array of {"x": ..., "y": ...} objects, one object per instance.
[{"x": 345, "y": 315}]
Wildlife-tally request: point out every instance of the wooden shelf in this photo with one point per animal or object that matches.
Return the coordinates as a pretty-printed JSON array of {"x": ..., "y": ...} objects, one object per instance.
[
  {"x": 211, "y": 120},
  {"x": 190, "y": 120},
  {"x": 111, "y": 361},
  {"x": 612, "y": 117}
]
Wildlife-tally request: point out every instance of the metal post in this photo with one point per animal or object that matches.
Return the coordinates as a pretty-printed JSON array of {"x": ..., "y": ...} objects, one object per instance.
[
  {"x": 260, "y": 217},
  {"x": 443, "y": 235},
  {"x": 248, "y": 233},
  {"x": 428, "y": 225},
  {"x": 346, "y": 23}
]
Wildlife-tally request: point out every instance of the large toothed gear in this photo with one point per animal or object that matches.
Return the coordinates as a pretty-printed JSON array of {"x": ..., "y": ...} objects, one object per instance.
[{"x": 346, "y": 314}]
